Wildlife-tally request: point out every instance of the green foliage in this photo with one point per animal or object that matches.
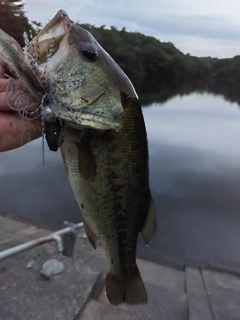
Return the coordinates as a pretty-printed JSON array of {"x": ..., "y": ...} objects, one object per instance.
[
  {"x": 13, "y": 20},
  {"x": 36, "y": 27},
  {"x": 145, "y": 59},
  {"x": 226, "y": 69}
]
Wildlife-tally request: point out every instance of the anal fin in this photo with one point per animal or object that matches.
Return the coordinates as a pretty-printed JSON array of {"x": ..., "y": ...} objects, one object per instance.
[{"x": 150, "y": 226}]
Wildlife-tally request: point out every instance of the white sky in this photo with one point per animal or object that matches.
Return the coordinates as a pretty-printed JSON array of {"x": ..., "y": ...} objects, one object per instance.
[{"x": 201, "y": 28}]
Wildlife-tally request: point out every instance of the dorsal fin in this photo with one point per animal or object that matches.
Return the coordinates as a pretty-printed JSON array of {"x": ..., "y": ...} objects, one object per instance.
[{"x": 150, "y": 226}]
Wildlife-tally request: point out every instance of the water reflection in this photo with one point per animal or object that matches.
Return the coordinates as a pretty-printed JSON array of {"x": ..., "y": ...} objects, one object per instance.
[
  {"x": 33, "y": 191},
  {"x": 168, "y": 89},
  {"x": 195, "y": 180}
]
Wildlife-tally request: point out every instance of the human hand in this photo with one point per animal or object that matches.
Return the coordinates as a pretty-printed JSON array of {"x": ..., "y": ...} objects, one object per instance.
[{"x": 15, "y": 131}]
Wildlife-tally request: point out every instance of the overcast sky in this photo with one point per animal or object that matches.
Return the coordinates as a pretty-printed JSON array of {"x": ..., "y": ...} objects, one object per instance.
[{"x": 204, "y": 28}]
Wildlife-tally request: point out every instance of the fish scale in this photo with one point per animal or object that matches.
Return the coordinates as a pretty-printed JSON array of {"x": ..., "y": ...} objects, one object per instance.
[
  {"x": 109, "y": 177},
  {"x": 99, "y": 122}
]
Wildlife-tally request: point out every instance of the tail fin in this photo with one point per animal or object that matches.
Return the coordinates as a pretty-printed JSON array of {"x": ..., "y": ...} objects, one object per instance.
[{"x": 130, "y": 291}]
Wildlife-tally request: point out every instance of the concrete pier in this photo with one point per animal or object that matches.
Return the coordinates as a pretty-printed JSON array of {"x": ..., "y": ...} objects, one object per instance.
[{"x": 78, "y": 292}]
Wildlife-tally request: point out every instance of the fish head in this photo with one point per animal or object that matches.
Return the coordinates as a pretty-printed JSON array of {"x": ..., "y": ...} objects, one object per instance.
[{"x": 83, "y": 83}]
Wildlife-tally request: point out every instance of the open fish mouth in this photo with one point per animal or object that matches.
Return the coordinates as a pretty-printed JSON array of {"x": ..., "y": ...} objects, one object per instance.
[{"x": 83, "y": 84}]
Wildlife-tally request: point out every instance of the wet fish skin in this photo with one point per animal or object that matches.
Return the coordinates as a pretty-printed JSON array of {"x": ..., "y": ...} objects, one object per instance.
[
  {"x": 84, "y": 88},
  {"x": 108, "y": 172},
  {"x": 105, "y": 151}
]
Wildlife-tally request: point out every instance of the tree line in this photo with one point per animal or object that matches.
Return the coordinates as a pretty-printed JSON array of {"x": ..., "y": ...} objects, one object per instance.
[
  {"x": 146, "y": 60},
  {"x": 13, "y": 19}
]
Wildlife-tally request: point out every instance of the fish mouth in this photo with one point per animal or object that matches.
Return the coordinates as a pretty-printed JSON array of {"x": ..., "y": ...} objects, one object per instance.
[
  {"x": 48, "y": 40},
  {"x": 41, "y": 52},
  {"x": 72, "y": 68}
]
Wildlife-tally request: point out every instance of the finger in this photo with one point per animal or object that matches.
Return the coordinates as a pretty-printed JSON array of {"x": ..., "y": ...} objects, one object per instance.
[
  {"x": 3, "y": 102},
  {"x": 18, "y": 101},
  {"x": 2, "y": 69},
  {"x": 3, "y": 83},
  {"x": 15, "y": 132},
  {"x": 2, "y": 72}
]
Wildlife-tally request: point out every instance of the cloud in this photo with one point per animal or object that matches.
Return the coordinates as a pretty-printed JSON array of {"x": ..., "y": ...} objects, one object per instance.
[
  {"x": 200, "y": 26},
  {"x": 213, "y": 24},
  {"x": 180, "y": 20}
]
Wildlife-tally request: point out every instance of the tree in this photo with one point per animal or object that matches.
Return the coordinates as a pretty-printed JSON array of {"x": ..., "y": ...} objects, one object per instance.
[{"x": 13, "y": 20}]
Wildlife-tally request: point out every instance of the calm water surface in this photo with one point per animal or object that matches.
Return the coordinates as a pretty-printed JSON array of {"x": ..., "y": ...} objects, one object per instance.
[{"x": 194, "y": 145}]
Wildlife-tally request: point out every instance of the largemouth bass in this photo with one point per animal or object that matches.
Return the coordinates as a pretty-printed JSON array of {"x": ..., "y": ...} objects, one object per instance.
[{"x": 105, "y": 150}]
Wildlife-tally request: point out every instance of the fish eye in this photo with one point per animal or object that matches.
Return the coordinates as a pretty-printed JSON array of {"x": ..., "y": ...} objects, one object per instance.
[{"x": 89, "y": 52}]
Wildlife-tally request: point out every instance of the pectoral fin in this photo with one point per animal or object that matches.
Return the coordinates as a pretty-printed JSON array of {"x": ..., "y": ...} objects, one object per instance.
[
  {"x": 92, "y": 236},
  {"x": 150, "y": 226}
]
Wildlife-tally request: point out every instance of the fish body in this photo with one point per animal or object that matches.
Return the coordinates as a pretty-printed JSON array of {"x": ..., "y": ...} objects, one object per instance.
[
  {"x": 105, "y": 150},
  {"x": 108, "y": 172}
]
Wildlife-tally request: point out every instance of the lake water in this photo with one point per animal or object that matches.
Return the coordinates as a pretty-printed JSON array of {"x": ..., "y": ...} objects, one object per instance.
[{"x": 194, "y": 146}]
